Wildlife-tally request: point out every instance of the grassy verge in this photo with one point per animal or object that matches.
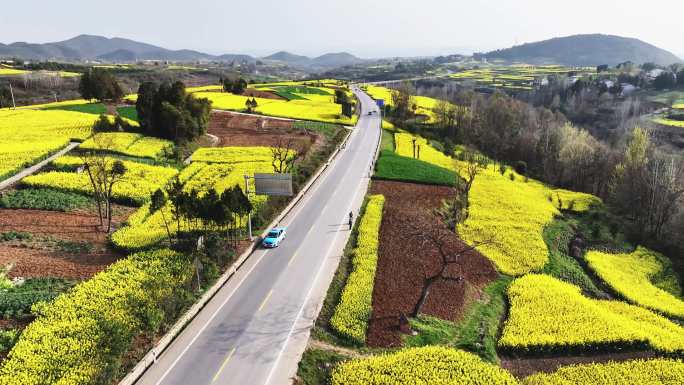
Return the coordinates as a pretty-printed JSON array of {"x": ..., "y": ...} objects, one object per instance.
[
  {"x": 391, "y": 166},
  {"x": 316, "y": 366},
  {"x": 387, "y": 142},
  {"x": 430, "y": 331},
  {"x": 561, "y": 265},
  {"x": 478, "y": 330}
]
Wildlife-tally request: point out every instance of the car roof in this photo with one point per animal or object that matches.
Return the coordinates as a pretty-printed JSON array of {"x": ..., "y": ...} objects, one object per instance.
[{"x": 278, "y": 228}]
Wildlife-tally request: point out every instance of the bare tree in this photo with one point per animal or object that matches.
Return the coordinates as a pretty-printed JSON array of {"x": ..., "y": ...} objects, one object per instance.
[
  {"x": 435, "y": 237},
  {"x": 104, "y": 172},
  {"x": 456, "y": 211},
  {"x": 284, "y": 155}
]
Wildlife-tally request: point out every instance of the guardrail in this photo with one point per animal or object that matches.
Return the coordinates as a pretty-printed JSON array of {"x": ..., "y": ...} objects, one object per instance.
[{"x": 151, "y": 357}]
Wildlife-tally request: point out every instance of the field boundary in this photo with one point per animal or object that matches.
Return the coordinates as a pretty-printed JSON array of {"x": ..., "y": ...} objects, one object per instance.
[
  {"x": 36, "y": 167},
  {"x": 151, "y": 357}
]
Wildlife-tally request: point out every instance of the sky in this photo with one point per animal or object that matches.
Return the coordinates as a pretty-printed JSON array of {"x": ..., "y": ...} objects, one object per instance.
[{"x": 366, "y": 28}]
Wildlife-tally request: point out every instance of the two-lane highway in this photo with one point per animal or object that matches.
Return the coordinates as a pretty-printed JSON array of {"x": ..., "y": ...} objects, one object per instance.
[{"x": 241, "y": 336}]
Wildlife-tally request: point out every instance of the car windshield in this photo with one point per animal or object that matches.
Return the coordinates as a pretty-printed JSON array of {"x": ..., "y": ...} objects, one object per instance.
[{"x": 273, "y": 234}]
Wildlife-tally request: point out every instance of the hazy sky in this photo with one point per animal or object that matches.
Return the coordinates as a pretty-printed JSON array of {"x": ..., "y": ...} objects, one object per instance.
[{"x": 368, "y": 28}]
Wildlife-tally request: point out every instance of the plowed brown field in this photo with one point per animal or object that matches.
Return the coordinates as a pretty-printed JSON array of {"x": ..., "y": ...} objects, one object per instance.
[
  {"x": 235, "y": 129},
  {"x": 403, "y": 262},
  {"x": 35, "y": 261}
]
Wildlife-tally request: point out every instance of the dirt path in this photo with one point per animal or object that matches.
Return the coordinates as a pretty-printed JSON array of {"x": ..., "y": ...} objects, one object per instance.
[
  {"x": 36, "y": 167},
  {"x": 321, "y": 345}
]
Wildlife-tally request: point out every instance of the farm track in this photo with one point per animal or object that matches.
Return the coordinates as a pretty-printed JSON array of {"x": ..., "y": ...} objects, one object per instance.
[
  {"x": 36, "y": 167},
  {"x": 402, "y": 259}
]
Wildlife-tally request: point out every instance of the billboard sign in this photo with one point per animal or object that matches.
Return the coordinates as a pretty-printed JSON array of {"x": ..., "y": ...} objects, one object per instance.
[{"x": 273, "y": 184}]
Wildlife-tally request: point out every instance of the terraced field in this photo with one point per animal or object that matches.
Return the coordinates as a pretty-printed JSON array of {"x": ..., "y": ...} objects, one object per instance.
[
  {"x": 541, "y": 313},
  {"x": 515, "y": 77}
]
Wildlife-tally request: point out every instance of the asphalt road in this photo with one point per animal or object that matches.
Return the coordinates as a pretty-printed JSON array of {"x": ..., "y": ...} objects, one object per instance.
[{"x": 241, "y": 335}]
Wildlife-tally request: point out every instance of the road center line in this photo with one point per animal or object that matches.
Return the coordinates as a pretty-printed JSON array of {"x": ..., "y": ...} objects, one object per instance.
[
  {"x": 296, "y": 253},
  {"x": 308, "y": 294},
  {"x": 206, "y": 324},
  {"x": 265, "y": 300},
  {"x": 289, "y": 219},
  {"x": 230, "y": 355}
]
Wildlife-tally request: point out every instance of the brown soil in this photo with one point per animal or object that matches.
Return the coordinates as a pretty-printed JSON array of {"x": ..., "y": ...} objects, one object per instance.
[
  {"x": 31, "y": 263},
  {"x": 261, "y": 94},
  {"x": 404, "y": 261},
  {"x": 234, "y": 129},
  {"x": 70, "y": 226},
  {"x": 523, "y": 367},
  {"x": 37, "y": 258},
  {"x": 12, "y": 323}
]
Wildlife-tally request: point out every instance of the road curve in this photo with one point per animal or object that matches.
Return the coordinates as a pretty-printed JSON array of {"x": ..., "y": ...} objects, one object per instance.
[{"x": 241, "y": 336}]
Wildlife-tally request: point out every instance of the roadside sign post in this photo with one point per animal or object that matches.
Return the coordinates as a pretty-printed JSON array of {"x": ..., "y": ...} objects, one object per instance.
[
  {"x": 268, "y": 184},
  {"x": 249, "y": 216}
]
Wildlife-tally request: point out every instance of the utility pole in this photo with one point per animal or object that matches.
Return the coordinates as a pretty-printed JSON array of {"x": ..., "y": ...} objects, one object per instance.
[
  {"x": 249, "y": 216},
  {"x": 14, "y": 105}
]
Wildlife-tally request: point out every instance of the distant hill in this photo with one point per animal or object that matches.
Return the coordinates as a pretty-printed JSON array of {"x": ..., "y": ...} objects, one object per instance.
[
  {"x": 89, "y": 47},
  {"x": 118, "y": 50},
  {"x": 327, "y": 61},
  {"x": 584, "y": 50},
  {"x": 337, "y": 59},
  {"x": 290, "y": 58}
]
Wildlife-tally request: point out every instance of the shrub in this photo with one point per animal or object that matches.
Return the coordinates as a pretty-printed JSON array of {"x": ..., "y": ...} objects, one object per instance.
[
  {"x": 15, "y": 236},
  {"x": 521, "y": 167},
  {"x": 352, "y": 313},
  {"x": 7, "y": 339}
]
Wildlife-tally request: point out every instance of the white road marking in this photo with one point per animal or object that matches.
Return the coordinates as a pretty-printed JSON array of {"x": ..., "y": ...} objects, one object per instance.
[
  {"x": 308, "y": 294},
  {"x": 291, "y": 218},
  {"x": 168, "y": 370}
]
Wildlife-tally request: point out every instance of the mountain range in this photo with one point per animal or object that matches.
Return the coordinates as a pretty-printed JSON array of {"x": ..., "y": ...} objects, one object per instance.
[
  {"x": 584, "y": 50},
  {"x": 577, "y": 50},
  {"x": 118, "y": 50}
]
